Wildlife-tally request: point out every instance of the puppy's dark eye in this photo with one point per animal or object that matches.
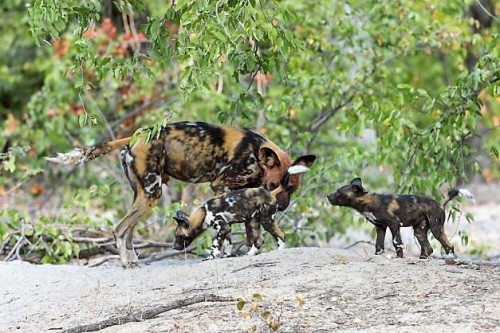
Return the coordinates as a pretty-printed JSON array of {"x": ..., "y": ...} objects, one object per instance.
[{"x": 272, "y": 186}]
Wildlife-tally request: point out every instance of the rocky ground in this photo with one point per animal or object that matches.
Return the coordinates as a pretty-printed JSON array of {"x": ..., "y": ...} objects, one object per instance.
[{"x": 294, "y": 290}]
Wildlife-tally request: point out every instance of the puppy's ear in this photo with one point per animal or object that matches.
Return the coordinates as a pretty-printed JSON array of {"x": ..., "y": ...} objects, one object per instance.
[
  {"x": 181, "y": 214},
  {"x": 357, "y": 185},
  {"x": 268, "y": 157},
  {"x": 181, "y": 218}
]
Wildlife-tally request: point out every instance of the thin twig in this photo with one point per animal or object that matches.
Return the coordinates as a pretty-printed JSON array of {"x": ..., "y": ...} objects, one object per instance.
[
  {"x": 104, "y": 259},
  {"x": 358, "y": 242},
  {"x": 19, "y": 244},
  {"x": 168, "y": 254},
  {"x": 487, "y": 11},
  {"x": 6, "y": 241}
]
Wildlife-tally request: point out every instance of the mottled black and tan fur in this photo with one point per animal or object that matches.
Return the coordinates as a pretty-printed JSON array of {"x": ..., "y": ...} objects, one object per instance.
[
  {"x": 396, "y": 211},
  {"x": 255, "y": 207},
  {"x": 227, "y": 157}
]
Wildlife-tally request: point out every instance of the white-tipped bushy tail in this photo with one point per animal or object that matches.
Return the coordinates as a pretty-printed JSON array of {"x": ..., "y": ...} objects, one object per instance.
[
  {"x": 295, "y": 169},
  {"x": 466, "y": 193},
  {"x": 76, "y": 156},
  {"x": 462, "y": 192}
]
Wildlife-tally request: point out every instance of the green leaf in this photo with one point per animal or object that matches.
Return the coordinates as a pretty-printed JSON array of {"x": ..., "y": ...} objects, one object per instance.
[
  {"x": 240, "y": 304},
  {"x": 494, "y": 152},
  {"x": 257, "y": 297},
  {"x": 82, "y": 119},
  {"x": 10, "y": 164}
]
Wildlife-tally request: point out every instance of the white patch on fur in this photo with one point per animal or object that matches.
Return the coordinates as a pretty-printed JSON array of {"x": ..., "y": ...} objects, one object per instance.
[
  {"x": 281, "y": 244},
  {"x": 466, "y": 193},
  {"x": 253, "y": 251},
  {"x": 294, "y": 169},
  {"x": 209, "y": 217},
  {"x": 230, "y": 201},
  {"x": 128, "y": 158},
  {"x": 221, "y": 167},
  {"x": 215, "y": 249},
  {"x": 450, "y": 255},
  {"x": 73, "y": 157},
  {"x": 228, "y": 248},
  {"x": 226, "y": 216},
  {"x": 396, "y": 245},
  {"x": 152, "y": 186},
  {"x": 369, "y": 216}
]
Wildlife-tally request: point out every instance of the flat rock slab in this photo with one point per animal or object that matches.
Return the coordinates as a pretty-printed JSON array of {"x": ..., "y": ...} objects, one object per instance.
[{"x": 294, "y": 290}]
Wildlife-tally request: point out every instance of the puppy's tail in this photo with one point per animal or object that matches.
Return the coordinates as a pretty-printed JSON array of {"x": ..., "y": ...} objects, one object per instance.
[
  {"x": 455, "y": 192},
  {"x": 293, "y": 170},
  {"x": 80, "y": 156}
]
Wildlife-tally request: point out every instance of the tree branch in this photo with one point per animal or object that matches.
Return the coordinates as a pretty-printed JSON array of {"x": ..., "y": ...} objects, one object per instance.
[
  {"x": 142, "y": 315},
  {"x": 323, "y": 118}
]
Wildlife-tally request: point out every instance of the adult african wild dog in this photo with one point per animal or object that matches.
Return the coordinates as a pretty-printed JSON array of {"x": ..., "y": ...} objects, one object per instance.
[
  {"x": 227, "y": 157},
  {"x": 255, "y": 207},
  {"x": 395, "y": 211}
]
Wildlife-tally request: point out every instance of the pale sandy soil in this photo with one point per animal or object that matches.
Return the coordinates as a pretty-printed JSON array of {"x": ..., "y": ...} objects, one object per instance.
[
  {"x": 295, "y": 290},
  {"x": 299, "y": 290}
]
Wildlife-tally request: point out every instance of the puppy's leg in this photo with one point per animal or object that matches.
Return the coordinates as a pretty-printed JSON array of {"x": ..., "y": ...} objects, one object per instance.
[
  {"x": 379, "y": 243},
  {"x": 237, "y": 176},
  {"x": 437, "y": 229},
  {"x": 396, "y": 240},
  {"x": 420, "y": 231},
  {"x": 272, "y": 227},
  {"x": 227, "y": 245},
  {"x": 254, "y": 236},
  {"x": 223, "y": 230}
]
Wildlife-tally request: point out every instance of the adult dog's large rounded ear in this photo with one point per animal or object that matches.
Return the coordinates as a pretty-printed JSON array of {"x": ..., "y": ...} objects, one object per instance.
[
  {"x": 268, "y": 157},
  {"x": 306, "y": 160}
]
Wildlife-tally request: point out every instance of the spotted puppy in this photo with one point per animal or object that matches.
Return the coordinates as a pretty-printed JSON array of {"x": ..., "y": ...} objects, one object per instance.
[
  {"x": 195, "y": 152},
  {"x": 395, "y": 211},
  {"x": 255, "y": 207}
]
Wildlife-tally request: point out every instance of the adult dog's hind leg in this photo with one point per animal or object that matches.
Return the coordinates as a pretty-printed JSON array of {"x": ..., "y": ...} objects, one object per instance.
[
  {"x": 124, "y": 230},
  {"x": 143, "y": 167}
]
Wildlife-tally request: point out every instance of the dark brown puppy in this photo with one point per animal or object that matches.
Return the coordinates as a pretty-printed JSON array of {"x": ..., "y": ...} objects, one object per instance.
[
  {"x": 196, "y": 152},
  {"x": 396, "y": 211},
  {"x": 255, "y": 207}
]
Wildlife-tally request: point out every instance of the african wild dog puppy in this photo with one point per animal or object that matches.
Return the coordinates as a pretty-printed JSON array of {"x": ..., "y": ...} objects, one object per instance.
[
  {"x": 196, "y": 152},
  {"x": 395, "y": 211},
  {"x": 254, "y": 206}
]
